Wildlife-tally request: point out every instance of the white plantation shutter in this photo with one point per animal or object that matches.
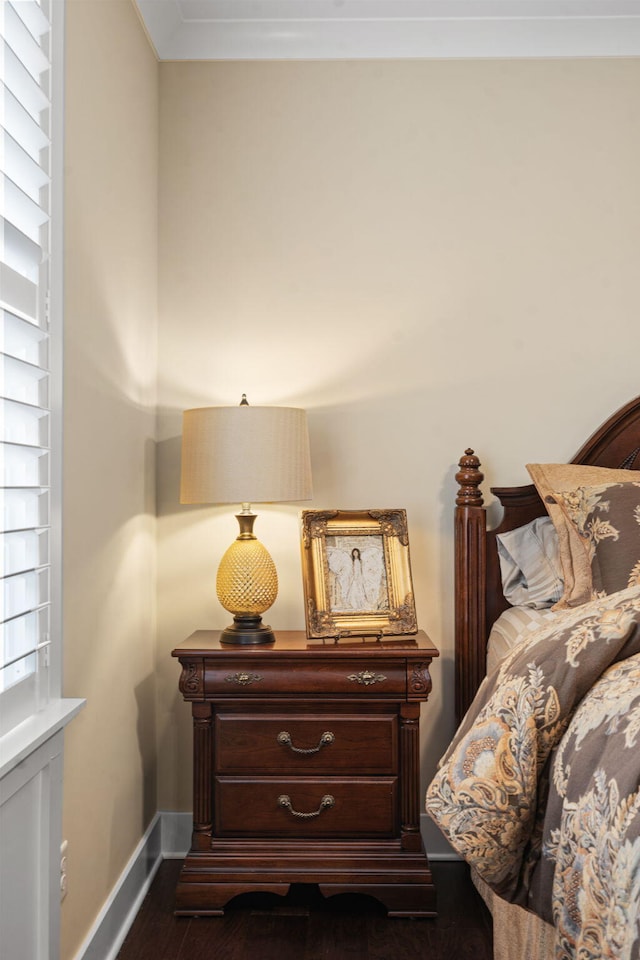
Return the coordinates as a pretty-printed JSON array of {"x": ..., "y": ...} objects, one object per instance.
[{"x": 26, "y": 386}]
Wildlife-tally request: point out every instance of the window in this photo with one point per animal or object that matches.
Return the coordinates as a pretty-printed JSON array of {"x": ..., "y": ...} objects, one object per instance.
[{"x": 29, "y": 381}]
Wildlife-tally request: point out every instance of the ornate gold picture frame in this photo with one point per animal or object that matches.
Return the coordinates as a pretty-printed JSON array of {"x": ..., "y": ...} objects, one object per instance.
[{"x": 357, "y": 574}]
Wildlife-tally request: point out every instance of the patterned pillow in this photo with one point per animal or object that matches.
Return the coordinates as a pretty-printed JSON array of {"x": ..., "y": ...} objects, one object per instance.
[
  {"x": 607, "y": 520},
  {"x": 551, "y": 479}
]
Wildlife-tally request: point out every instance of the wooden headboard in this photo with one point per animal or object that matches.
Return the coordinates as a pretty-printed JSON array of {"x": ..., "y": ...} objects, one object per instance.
[{"x": 478, "y": 589}]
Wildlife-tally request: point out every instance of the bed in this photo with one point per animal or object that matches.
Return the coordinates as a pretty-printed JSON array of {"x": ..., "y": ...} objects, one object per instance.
[{"x": 540, "y": 788}]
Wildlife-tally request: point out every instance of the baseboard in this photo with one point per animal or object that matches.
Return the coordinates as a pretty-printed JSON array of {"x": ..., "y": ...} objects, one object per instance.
[
  {"x": 168, "y": 838},
  {"x": 118, "y": 913},
  {"x": 176, "y": 834},
  {"x": 435, "y": 843}
]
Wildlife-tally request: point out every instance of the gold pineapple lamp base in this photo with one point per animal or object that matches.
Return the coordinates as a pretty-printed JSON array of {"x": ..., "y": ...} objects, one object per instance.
[{"x": 247, "y": 585}]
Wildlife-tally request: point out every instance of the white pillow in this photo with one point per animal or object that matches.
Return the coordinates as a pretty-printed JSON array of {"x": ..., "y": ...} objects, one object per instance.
[{"x": 530, "y": 564}]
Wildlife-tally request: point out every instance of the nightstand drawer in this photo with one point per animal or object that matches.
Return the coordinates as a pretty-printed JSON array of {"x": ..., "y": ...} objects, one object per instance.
[
  {"x": 289, "y": 742},
  {"x": 309, "y": 807},
  {"x": 261, "y": 676}
]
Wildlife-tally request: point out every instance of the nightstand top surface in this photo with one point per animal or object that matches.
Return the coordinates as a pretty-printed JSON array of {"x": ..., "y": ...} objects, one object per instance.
[{"x": 294, "y": 642}]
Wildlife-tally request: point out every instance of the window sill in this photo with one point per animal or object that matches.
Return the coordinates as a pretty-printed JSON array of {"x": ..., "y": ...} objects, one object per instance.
[{"x": 16, "y": 745}]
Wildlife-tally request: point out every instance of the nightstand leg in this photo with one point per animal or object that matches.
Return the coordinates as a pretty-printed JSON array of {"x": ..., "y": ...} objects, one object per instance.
[
  {"x": 410, "y": 779},
  {"x": 202, "y": 774}
]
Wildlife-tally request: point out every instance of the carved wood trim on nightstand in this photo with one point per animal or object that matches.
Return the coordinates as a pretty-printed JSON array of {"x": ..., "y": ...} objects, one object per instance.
[
  {"x": 191, "y": 681},
  {"x": 419, "y": 682}
]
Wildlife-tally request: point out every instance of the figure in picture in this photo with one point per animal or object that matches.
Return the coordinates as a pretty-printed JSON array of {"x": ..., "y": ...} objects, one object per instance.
[{"x": 357, "y": 578}]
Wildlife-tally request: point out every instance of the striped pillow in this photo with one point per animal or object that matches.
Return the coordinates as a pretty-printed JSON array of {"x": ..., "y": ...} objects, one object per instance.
[
  {"x": 512, "y": 626},
  {"x": 530, "y": 564}
]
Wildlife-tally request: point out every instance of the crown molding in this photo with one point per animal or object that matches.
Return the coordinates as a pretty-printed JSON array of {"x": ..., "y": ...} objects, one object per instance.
[{"x": 390, "y": 29}]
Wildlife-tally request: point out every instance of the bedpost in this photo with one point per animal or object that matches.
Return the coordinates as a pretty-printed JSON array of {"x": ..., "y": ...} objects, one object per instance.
[{"x": 470, "y": 583}]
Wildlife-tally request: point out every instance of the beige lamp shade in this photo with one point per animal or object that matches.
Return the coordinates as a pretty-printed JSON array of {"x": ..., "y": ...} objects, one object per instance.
[{"x": 245, "y": 454}]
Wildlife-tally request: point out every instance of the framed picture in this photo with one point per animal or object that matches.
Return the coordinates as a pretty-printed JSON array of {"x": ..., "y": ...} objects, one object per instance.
[{"x": 357, "y": 574}]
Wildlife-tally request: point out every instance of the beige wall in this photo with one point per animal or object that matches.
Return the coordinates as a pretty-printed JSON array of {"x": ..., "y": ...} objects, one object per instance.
[
  {"x": 111, "y": 188},
  {"x": 425, "y": 255}
]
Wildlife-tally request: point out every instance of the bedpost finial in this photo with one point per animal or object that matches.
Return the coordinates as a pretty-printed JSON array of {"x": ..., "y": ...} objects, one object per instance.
[{"x": 469, "y": 477}]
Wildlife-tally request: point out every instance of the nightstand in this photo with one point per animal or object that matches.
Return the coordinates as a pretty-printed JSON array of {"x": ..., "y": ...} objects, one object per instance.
[{"x": 306, "y": 769}]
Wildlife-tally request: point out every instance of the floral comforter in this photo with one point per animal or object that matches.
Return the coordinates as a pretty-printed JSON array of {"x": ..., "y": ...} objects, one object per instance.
[{"x": 540, "y": 788}]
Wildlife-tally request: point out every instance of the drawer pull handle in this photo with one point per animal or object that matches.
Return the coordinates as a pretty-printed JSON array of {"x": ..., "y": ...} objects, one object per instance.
[
  {"x": 367, "y": 677},
  {"x": 284, "y": 737},
  {"x": 326, "y": 802},
  {"x": 243, "y": 678}
]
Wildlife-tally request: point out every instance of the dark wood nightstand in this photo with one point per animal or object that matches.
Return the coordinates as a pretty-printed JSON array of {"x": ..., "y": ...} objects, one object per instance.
[{"x": 306, "y": 769}]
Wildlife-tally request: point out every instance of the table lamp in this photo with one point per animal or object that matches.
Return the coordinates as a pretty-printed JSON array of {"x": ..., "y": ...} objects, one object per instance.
[{"x": 245, "y": 455}]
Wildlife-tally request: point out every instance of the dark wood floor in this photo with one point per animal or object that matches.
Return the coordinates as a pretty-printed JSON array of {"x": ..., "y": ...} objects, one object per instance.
[{"x": 304, "y": 926}]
